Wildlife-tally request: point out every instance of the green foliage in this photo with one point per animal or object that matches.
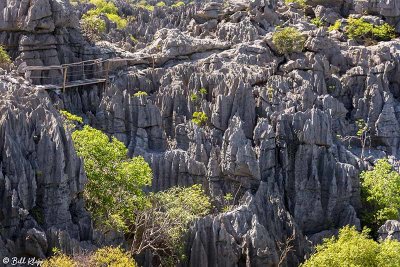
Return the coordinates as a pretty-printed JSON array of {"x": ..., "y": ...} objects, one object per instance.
[
  {"x": 351, "y": 248},
  {"x": 203, "y": 91},
  {"x": 356, "y": 249},
  {"x": 317, "y": 21},
  {"x": 270, "y": 93},
  {"x": 169, "y": 215},
  {"x": 71, "y": 117},
  {"x": 288, "y": 40},
  {"x": 359, "y": 29},
  {"x": 114, "y": 190},
  {"x": 161, "y": 4},
  {"x": 59, "y": 260},
  {"x": 103, "y": 7},
  {"x": 110, "y": 256},
  {"x": 184, "y": 204},
  {"x": 107, "y": 256},
  {"x": 361, "y": 127},
  {"x": 133, "y": 39},
  {"x": 228, "y": 199},
  {"x": 200, "y": 118},
  {"x": 70, "y": 120},
  {"x": 5, "y": 60},
  {"x": 93, "y": 26},
  {"x": 121, "y": 23},
  {"x": 143, "y": 4},
  {"x": 140, "y": 93},
  {"x": 336, "y": 26},
  {"x": 389, "y": 255},
  {"x": 178, "y": 4},
  {"x": 194, "y": 97},
  {"x": 381, "y": 192}
]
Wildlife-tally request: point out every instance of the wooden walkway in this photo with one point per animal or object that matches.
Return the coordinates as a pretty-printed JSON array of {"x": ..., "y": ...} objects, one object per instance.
[{"x": 77, "y": 74}]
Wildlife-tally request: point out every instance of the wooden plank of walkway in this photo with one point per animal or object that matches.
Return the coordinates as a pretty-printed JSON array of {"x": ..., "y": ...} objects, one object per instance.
[{"x": 71, "y": 84}]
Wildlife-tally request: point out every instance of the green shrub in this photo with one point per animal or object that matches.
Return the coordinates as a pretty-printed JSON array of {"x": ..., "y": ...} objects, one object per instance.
[
  {"x": 203, "y": 91},
  {"x": 121, "y": 23},
  {"x": 115, "y": 182},
  {"x": 107, "y": 256},
  {"x": 143, "y": 4},
  {"x": 173, "y": 211},
  {"x": 381, "y": 192},
  {"x": 161, "y": 4},
  {"x": 71, "y": 117},
  {"x": 108, "y": 9},
  {"x": 194, "y": 97},
  {"x": 336, "y": 26},
  {"x": 70, "y": 120},
  {"x": 361, "y": 30},
  {"x": 5, "y": 60},
  {"x": 140, "y": 93},
  {"x": 178, "y": 4},
  {"x": 59, "y": 260},
  {"x": 318, "y": 22},
  {"x": 92, "y": 27},
  {"x": 110, "y": 256},
  {"x": 200, "y": 118},
  {"x": 352, "y": 248},
  {"x": 288, "y": 40}
]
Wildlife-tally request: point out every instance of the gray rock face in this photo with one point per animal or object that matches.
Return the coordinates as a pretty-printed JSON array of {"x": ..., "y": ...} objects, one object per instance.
[
  {"x": 390, "y": 230},
  {"x": 43, "y": 33},
  {"x": 41, "y": 177}
]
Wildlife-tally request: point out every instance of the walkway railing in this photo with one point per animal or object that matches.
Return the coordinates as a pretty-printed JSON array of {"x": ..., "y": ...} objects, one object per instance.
[{"x": 79, "y": 73}]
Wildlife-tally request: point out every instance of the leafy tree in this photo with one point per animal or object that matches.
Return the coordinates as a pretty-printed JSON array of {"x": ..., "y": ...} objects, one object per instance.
[
  {"x": 114, "y": 190},
  {"x": 288, "y": 40},
  {"x": 161, "y": 226},
  {"x": 352, "y": 248},
  {"x": 200, "y": 118},
  {"x": 5, "y": 60},
  {"x": 381, "y": 193}
]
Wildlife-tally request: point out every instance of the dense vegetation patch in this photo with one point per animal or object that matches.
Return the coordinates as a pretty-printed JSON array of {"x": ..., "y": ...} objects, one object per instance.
[
  {"x": 361, "y": 30},
  {"x": 114, "y": 190},
  {"x": 5, "y": 60},
  {"x": 107, "y": 256},
  {"x": 116, "y": 198},
  {"x": 200, "y": 118},
  {"x": 92, "y": 23},
  {"x": 288, "y": 40},
  {"x": 352, "y": 248},
  {"x": 381, "y": 194}
]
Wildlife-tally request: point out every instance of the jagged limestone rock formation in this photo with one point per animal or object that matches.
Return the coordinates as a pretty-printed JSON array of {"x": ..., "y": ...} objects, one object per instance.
[{"x": 41, "y": 177}]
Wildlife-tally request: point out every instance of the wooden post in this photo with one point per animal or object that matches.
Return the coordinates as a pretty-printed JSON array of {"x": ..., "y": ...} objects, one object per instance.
[
  {"x": 107, "y": 67},
  {"x": 65, "y": 78}
]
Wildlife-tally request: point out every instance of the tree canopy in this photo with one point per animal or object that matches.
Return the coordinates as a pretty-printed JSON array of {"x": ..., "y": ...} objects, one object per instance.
[{"x": 114, "y": 190}]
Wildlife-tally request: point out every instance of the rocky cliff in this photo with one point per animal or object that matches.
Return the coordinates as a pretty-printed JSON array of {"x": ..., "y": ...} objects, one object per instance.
[{"x": 281, "y": 134}]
